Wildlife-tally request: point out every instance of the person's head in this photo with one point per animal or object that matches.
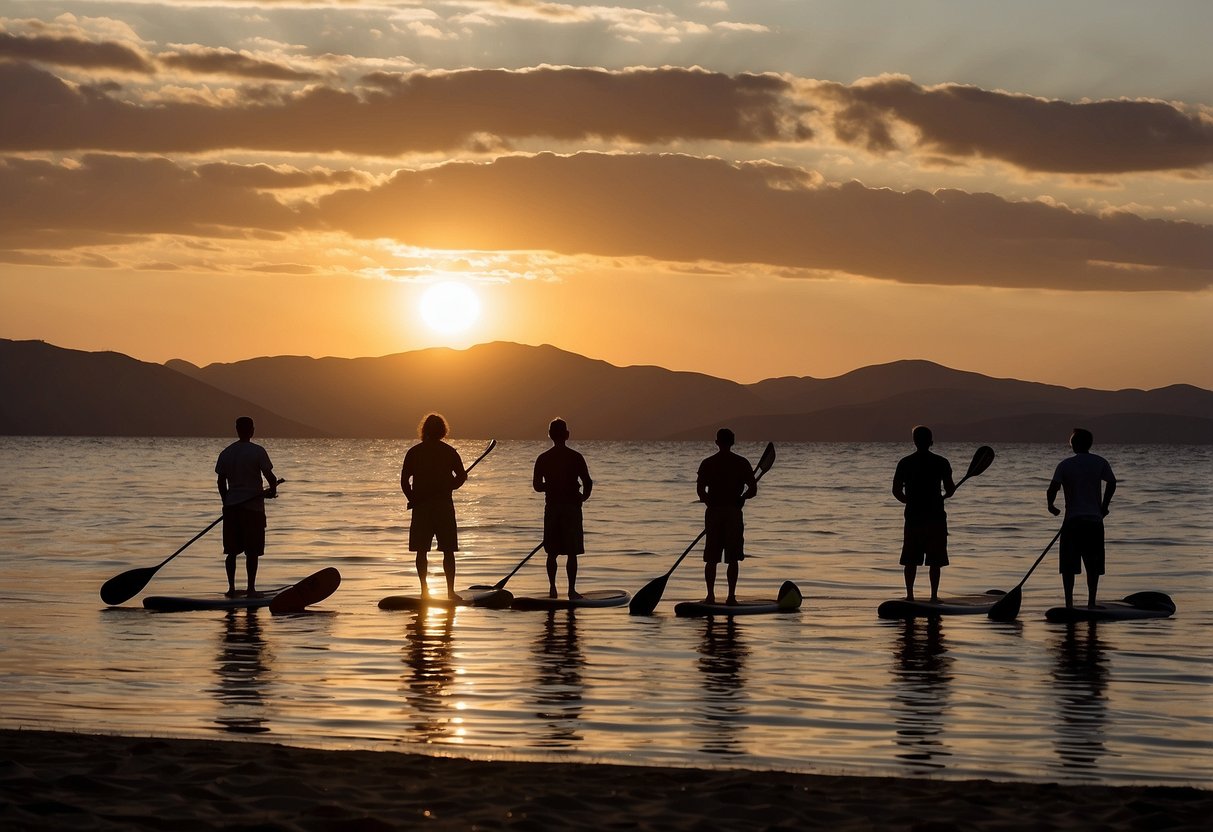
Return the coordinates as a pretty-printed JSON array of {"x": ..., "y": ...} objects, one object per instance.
[
  {"x": 725, "y": 439},
  {"x": 923, "y": 438},
  {"x": 433, "y": 426},
  {"x": 245, "y": 428},
  {"x": 1081, "y": 440},
  {"x": 558, "y": 430}
]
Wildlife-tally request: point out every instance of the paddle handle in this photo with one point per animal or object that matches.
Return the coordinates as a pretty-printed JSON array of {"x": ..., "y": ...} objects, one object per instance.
[{"x": 1042, "y": 557}]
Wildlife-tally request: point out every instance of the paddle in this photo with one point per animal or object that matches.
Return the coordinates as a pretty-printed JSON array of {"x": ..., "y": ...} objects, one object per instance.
[
  {"x": 981, "y": 460},
  {"x": 648, "y": 596},
  {"x": 1006, "y": 608},
  {"x": 468, "y": 470},
  {"x": 122, "y": 588}
]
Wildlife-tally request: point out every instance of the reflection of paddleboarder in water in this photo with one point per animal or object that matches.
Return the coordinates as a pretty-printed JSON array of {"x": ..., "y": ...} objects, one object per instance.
[
  {"x": 241, "y": 668},
  {"x": 431, "y": 472},
  {"x": 240, "y": 467},
  {"x": 922, "y": 481},
  {"x": 563, "y": 478},
  {"x": 1082, "y": 541},
  {"x": 724, "y": 482}
]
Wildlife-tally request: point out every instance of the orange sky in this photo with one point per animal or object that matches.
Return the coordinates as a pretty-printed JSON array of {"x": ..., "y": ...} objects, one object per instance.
[{"x": 699, "y": 189}]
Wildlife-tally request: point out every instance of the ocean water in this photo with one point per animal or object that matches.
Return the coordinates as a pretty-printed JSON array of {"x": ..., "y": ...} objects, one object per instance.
[{"x": 830, "y": 689}]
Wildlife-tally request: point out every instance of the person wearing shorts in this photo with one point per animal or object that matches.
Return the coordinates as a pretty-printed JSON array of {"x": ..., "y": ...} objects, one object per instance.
[
  {"x": 239, "y": 469},
  {"x": 724, "y": 482},
  {"x": 562, "y": 476},
  {"x": 431, "y": 472},
  {"x": 922, "y": 481},
  {"x": 1082, "y": 477}
]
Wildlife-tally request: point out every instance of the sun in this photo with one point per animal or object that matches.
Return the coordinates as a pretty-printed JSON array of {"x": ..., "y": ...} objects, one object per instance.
[{"x": 450, "y": 308}]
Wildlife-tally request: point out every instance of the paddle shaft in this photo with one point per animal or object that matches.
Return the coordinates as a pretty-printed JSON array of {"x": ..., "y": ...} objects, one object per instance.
[
  {"x": 501, "y": 584},
  {"x": 1039, "y": 559},
  {"x": 214, "y": 523}
]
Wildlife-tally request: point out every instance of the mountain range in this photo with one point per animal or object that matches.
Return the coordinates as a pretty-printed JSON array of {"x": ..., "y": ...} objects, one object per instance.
[{"x": 510, "y": 391}]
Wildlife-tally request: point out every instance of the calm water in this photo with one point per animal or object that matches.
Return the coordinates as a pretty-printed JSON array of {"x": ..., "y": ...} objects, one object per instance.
[{"x": 832, "y": 689}]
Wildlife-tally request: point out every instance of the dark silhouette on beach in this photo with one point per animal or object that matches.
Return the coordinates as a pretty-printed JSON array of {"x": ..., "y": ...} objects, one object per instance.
[
  {"x": 922, "y": 481},
  {"x": 239, "y": 470},
  {"x": 563, "y": 478},
  {"x": 432, "y": 470},
  {"x": 242, "y": 675},
  {"x": 922, "y": 682},
  {"x": 1082, "y": 477},
  {"x": 724, "y": 482},
  {"x": 559, "y": 689}
]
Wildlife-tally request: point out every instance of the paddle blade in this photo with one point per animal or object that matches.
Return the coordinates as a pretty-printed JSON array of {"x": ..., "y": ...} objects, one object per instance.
[
  {"x": 1006, "y": 608},
  {"x": 122, "y": 588},
  {"x": 766, "y": 460},
  {"x": 648, "y": 596},
  {"x": 982, "y": 458}
]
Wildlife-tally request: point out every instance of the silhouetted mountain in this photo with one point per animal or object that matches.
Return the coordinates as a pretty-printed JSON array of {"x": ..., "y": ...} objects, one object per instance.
[
  {"x": 511, "y": 391},
  {"x": 51, "y": 391}
]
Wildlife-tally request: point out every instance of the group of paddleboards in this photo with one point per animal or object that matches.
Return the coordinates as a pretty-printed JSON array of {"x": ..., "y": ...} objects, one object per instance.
[{"x": 315, "y": 588}]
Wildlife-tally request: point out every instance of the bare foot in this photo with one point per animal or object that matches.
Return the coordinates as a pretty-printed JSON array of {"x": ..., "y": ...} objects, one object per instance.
[
  {"x": 711, "y": 599},
  {"x": 934, "y": 599},
  {"x": 252, "y": 593},
  {"x": 233, "y": 593},
  {"x": 731, "y": 601},
  {"x": 574, "y": 595},
  {"x": 552, "y": 593}
]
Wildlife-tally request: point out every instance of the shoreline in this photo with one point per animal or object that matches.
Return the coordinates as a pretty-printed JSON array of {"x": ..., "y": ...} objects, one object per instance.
[{"x": 59, "y": 780}]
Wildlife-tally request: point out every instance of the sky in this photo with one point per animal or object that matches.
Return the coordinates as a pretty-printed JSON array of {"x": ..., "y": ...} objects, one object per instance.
[{"x": 745, "y": 189}]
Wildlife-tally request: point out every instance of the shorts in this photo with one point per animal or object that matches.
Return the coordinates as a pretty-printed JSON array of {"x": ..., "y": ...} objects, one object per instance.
[
  {"x": 1081, "y": 543},
  {"x": 433, "y": 519},
  {"x": 925, "y": 543},
  {"x": 725, "y": 534},
  {"x": 243, "y": 532},
  {"x": 562, "y": 531}
]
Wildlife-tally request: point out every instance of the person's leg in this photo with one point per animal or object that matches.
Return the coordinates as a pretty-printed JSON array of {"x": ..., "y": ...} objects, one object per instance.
[
  {"x": 910, "y": 571},
  {"x": 935, "y": 572},
  {"x": 230, "y": 564},
  {"x": 423, "y": 570},
  {"x": 1067, "y": 584},
  {"x": 552, "y": 568},
  {"x": 448, "y": 569},
  {"x": 731, "y": 572},
  {"x": 570, "y": 566},
  {"x": 709, "y": 578},
  {"x": 250, "y": 568},
  {"x": 1092, "y": 587}
]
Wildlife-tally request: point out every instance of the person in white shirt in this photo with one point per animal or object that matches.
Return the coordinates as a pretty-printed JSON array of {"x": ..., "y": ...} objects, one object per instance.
[
  {"x": 240, "y": 467},
  {"x": 1082, "y": 478}
]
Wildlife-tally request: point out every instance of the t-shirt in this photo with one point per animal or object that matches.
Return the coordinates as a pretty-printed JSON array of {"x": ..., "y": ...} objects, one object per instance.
[
  {"x": 725, "y": 476},
  {"x": 242, "y": 464},
  {"x": 432, "y": 465},
  {"x": 562, "y": 471},
  {"x": 1080, "y": 477},
  {"x": 923, "y": 474}
]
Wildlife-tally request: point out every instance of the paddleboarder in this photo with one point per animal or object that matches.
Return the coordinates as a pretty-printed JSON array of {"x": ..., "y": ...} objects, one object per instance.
[
  {"x": 724, "y": 482},
  {"x": 240, "y": 467},
  {"x": 431, "y": 472},
  {"x": 564, "y": 479},
  {"x": 1082, "y": 477},
  {"x": 922, "y": 481}
]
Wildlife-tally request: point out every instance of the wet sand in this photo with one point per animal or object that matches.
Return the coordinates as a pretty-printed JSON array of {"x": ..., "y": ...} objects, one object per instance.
[{"x": 54, "y": 780}]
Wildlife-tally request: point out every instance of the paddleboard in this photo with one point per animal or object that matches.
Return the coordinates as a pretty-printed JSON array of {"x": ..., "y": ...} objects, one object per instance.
[
  {"x": 492, "y": 598},
  {"x": 1138, "y": 605},
  {"x": 311, "y": 590},
  {"x": 596, "y": 598},
  {"x": 170, "y": 603},
  {"x": 788, "y": 601},
  {"x": 960, "y": 605}
]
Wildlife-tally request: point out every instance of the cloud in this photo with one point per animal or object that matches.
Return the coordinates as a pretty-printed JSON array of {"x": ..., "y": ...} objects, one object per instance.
[
  {"x": 1035, "y": 134},
  {"x": 681, "y": 208},
  {"x": 68, "y": 50},
  {"x": 202, "y": 60}
]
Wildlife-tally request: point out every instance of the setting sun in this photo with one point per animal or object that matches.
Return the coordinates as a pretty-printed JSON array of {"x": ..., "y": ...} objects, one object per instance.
[{"x": 450, "y": 308}]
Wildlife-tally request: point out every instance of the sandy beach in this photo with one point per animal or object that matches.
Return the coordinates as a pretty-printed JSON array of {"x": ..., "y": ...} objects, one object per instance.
[{"x": 54, "y": 780}]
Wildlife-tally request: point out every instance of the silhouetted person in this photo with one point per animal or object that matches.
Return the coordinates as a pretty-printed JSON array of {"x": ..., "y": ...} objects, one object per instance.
[
  {"x": 431, "y": 472},
  {"x": 1080, "y": 477},
  {"x": 725, "y": 481},
  {"x": 922, "y": 481},
  {"x": 240, "y": 467},
  {"x": 561, "y": 474}
]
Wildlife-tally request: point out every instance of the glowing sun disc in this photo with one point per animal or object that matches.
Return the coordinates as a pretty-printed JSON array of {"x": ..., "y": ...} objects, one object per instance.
[{"x": 449, "y": 308}]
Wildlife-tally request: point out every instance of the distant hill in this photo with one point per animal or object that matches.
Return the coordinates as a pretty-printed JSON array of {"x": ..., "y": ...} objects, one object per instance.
[
  {"x": 511, "y": 391},
  {"x": 50, "y": 391}
]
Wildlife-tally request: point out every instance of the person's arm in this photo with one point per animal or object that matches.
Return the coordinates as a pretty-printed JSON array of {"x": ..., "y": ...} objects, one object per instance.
[
  {"x": 1107, "y": 494},
  {"x": 701, "y": 486},
  {"x": 537, "y": 480},
  {"x": 899, "y": 485},
  {"x": 406, "y": 484},
  {"x": 267, "y": 470},
  {"x": 587, "y": 484},
  {"x": 949, "y": 486},
  {"x": 1051, "y": 495},
  {"x": 221, "y": 484},
  {"x": 459, "y": 476},
  {"x": 751, "y": 485}
]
